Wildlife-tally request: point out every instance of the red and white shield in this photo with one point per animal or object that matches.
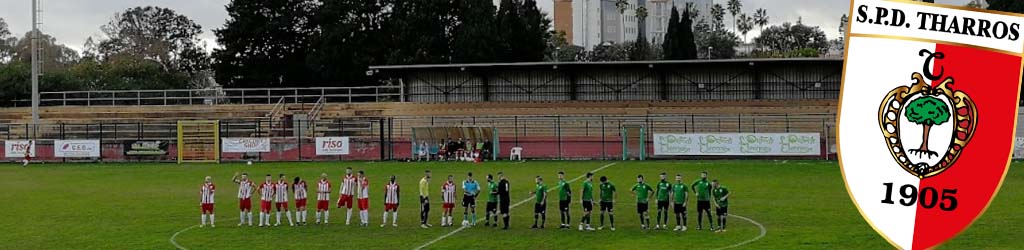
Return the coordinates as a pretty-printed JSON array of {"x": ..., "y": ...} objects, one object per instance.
[{"x": 927, "y": 115}]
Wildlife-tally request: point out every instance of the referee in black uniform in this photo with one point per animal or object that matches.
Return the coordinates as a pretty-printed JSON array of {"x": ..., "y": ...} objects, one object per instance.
[{"x": 503, "y": 198}]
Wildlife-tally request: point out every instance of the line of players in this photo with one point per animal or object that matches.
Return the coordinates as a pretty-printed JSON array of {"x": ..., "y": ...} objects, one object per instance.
[{"x": 498, "y": 200}]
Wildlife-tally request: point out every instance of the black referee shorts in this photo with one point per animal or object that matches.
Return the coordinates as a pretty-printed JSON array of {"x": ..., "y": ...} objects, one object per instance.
[
  {"x": 468, "y": 201},
  {"x": 503, "y": 207},
  {"x": 540, "y": 208}
]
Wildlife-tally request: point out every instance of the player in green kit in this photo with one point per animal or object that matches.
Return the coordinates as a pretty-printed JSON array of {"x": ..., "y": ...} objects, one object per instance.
[
  {"x": 643, "y": 195},
  {"x": 541, "y": 206},
  {"x": 607, "y": 202},
  {"x": 703, "y": 189},
  {"x": 663, "y": 190},
  {"x": 492, "y": 201},
  {"x": 721, "y": 194},
  {"x": 587, "y": 199},
  {"x": 564, "y": 198},
  {"x": 680, "y": 195}
]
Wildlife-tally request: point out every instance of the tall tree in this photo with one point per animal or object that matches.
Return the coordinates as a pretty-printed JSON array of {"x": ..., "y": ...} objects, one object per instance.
[
  {"x": 157, "y": 34},
  {"x": 534, "y": 40},
  {"x": 841, "y": 39},
  {"x": 511, "y": 29},
  {"x": 6, "y": 42},
  {"x": 686, "y": 46},
  {"x": 351, "y": 37},
  {"x": 53, "y": 57},
  {"x": 735, "y": 7},
  {"x": 761, "y": 18},
  {"x": 641, "y": 19},
  {"x": 475, "y": 32},
  {"x": 622, "y": 6},
  {"x": 746, "y": 24},
  {"x": 670, "y": 42},
  {"x": 265, "y": 44},
  {"x": 717, "y": 17}
]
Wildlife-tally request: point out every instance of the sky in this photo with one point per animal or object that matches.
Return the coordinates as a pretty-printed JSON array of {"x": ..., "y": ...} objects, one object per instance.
[{"x": 72, "y": 21}]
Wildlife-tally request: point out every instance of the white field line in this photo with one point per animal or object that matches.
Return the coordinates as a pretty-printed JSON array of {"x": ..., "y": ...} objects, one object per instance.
[
  {"x": 513, "y": 206},
  {"x": 173, "y": 237},
  {"x": 759, "y": 236}
]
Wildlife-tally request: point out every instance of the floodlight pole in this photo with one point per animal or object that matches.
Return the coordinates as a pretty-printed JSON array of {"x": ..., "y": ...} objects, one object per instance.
[{"x": 35, "y": 64}]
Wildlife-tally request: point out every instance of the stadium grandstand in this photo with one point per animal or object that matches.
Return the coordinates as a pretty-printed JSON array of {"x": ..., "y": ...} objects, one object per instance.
[{"x": 577, "y": 110}]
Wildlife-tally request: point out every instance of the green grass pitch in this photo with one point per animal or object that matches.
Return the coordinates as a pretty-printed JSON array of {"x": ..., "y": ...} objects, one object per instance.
[{"x": 801, "y": 204}]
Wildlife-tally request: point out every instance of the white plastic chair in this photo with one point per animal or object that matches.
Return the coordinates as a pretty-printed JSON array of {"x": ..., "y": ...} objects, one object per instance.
[{"x": 516, "y": 154}]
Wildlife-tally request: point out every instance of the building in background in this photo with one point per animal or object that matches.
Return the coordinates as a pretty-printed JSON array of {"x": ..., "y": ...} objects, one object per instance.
[
  {"x": 597, "y": 21},
  {"x": 564, "y": 18}
]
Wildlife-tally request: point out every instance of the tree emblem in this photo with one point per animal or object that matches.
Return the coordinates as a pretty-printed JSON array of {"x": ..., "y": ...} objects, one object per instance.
[
  {"x": 933, "y": 108},
  {"x": 927, "y": 111}
]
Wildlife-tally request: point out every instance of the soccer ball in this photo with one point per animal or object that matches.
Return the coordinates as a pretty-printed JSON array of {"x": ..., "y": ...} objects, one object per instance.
[
  {"x": 248, "y": 163},
  {"x": 465, "y": 223}
]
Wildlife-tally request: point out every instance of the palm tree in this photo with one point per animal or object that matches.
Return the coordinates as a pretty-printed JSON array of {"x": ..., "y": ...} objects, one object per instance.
[
  {"x": 717, "y": 15},
  {"x": 735, "y": 6},
  {"x": 641, "y": 17},
  {"x": 761, "y": 18},
  {"x": 745, "y": 24},
  {"x": 622, "y": 5}
]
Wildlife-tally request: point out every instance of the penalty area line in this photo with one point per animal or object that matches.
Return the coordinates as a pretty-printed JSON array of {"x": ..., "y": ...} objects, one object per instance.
[
  {"x": 510, "y": 208},
  {"x": 759, "y": 236}
]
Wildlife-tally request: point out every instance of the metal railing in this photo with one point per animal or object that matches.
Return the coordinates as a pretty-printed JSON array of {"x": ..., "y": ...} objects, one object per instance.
[{"x": 384, "y": 93}]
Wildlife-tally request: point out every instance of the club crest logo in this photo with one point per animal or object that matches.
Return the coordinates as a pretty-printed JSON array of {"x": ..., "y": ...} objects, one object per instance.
[
  {"x": 926, "y": 128},
  {"x": 927, "y": 119}
]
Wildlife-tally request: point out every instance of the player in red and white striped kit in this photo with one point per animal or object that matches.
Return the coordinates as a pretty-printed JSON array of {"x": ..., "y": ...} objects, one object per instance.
[
  {"x": 245, "y": 189},
  {"x": 206, "y": 192},
  {"x": 348, "y": 190},
  {"x": 281, "y": 200},
  {"x": 364, "y": 199},
  {"x": 265, "y": 199},
  {"x": 448, "y": 201},
  {"x": 391, "y": 195},
  {"x": 323, "y": 194},
  {"x": 299, "y": 187}
]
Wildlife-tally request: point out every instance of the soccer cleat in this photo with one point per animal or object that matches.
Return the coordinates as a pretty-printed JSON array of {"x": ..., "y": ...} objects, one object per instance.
[
  {"x": 202, "y": 225},
  {"x": 657, "y": 227},
  {"x": 212, "y": 225},
  {"x": 677, "y": 228},
  {"x": 613, "y": 229},
  {"x": 240, "y": 224},
  {"x": 683, "y": 229},
  {"x": 534, "y": 226},
  {"x": 382, "y": 225},
  {"x": 600, "y": 228},
  {"x": 424, "y": 226},
  {"x": 581, "y": 227},
  {"x": 589, "y": 228},
  {"x": 395, "y": 225}
]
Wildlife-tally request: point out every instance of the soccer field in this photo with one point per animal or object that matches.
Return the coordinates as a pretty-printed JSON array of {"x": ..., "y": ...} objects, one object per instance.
[{"x": 799, "y": 205}]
